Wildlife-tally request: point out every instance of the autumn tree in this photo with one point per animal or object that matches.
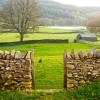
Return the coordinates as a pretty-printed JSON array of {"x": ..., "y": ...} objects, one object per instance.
[
  {"x": 93, "y": 24},
  {"x": 20, "y": 14}
]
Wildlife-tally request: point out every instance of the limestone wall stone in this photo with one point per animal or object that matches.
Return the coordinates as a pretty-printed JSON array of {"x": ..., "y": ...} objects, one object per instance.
[
  {"x": 15, "y": 70},
  {"x": 82, "y": 67}
]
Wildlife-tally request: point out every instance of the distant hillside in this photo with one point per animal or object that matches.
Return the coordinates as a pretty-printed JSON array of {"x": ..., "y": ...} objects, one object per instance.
[
  {"x": 59, "y": 14},
  {"x": 53, "y": 13}
]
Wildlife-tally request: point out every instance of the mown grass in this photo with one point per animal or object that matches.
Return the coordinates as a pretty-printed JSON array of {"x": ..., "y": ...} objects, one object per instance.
[
  {"x": 49, "y": 73},
  {"x": 87, "y": 92}
]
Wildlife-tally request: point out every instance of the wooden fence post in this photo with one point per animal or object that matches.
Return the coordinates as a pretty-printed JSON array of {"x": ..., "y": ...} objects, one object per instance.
[
  {"x": 33, "y": 69},
  {"x": 65, "y": 70}
]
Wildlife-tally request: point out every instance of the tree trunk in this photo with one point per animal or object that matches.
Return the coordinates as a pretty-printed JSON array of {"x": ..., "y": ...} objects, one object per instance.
[{"x": 21, "y": 37}]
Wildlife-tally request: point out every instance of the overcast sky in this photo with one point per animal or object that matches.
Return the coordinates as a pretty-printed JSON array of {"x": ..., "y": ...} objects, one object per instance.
[{"x": 81, "y": 3}]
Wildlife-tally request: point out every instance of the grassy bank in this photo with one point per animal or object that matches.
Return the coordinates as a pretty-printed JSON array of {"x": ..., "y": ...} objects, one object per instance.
[{"x": 87, "y": 92}]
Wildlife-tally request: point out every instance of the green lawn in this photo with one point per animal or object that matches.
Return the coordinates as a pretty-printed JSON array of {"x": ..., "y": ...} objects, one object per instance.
[{"x": 49, "y": 73}]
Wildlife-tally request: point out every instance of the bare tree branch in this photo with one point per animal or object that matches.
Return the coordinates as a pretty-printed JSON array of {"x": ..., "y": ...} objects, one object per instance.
[{"x": 20, "y": 14}]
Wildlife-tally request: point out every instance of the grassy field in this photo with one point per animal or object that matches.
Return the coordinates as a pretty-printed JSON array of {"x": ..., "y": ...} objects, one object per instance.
[
  {"x": 87, "y": 92},
  {"x": 12, "y": 37},
  {"x": 48, "y": 73},
  {"x": 43, "y": 33}
]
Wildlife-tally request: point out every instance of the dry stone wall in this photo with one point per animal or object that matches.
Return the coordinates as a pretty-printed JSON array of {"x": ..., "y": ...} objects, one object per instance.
[
  {"x": 15, "y": 70},
  {"x": 81, "y": 68}
]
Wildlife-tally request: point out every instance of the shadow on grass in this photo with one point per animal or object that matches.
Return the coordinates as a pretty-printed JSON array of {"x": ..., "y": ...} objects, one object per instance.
[{"x": 34, "y": 42}]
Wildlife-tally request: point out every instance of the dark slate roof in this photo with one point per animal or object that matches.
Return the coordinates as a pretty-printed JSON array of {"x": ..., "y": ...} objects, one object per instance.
[{"x": 87, "y": 35}]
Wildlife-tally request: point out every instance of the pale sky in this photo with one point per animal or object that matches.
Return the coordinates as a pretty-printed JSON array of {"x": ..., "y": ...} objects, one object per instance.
[{"x": 81, "y": 3}]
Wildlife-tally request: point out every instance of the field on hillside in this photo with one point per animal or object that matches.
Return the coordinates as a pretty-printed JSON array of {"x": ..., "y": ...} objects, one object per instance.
[
  {"x": 43, "y": 33},
  {"x": 49, "y": 73}
]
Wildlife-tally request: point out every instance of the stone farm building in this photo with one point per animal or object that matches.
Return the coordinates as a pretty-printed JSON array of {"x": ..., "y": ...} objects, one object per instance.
[{"x": 87, "y": 37}]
